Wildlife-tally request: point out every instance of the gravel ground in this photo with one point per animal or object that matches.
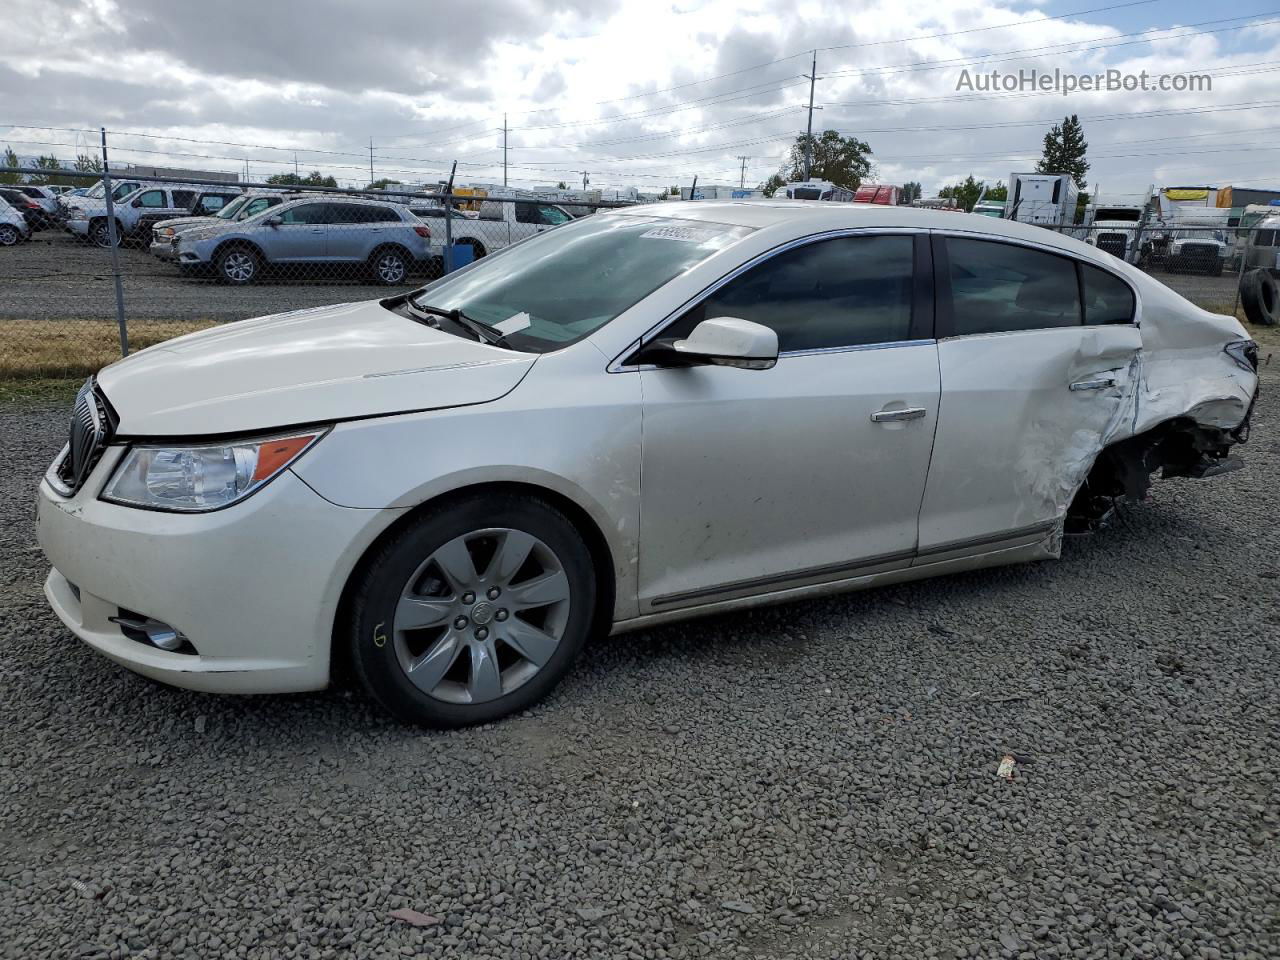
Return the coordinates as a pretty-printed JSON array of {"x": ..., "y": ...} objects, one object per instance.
[
  {"x": 814, "y": 780},
  {"x": 58, "y": 277}
]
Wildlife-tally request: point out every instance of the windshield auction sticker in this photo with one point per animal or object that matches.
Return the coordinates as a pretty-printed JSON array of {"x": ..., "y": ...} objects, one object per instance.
[{"x": 686, "y": 234}]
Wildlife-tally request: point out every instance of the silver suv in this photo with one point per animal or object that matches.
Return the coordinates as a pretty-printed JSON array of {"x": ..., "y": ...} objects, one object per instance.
[{"x": 384, "y": 237}]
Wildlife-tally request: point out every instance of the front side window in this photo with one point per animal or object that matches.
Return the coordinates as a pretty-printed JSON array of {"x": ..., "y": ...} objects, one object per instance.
[
  {"x": 1000, "y": 287},
  {"x": 526, "y": 213},
  {"x": 552, "y": 216},
  {"x": 313, "y": 213},
  {"x": 152, "y": 198},
  {"x": 255, "y": 206},
  {"x": 844, "y": 292},
  {"x": 564, "y": 284},
  {"x": 1107, "y": 298}
]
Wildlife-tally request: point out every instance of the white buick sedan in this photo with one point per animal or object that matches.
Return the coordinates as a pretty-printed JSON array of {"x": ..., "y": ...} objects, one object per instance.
[{"x": 640, "y": 416}]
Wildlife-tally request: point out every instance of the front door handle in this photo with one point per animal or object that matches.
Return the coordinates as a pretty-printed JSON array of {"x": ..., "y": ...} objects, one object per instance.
[
  {"x": 892, "y": 416},
  {"x": 1102, "y": 383}
]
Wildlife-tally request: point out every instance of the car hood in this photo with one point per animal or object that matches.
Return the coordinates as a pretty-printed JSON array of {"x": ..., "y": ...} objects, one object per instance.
[
  {"x": 342, "y": 362},
  {"x": 204, "y": 230},
  {"x": 188, "y": 222}
]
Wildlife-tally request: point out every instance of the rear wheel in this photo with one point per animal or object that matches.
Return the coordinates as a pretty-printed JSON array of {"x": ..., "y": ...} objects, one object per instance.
[
  {"x": 9, "y": 235},
  {"x": 389, "y": 266},
  {"x": 238, "y": 266},
  {"x": 473, "y": 612}
]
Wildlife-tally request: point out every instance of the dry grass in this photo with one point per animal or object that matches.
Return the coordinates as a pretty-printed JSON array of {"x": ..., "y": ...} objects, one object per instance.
[{"x": 48, "y": 349}]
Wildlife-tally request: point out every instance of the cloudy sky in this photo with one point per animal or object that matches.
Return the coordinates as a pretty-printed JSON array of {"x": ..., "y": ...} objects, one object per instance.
[{"x": 639, "y": 94}]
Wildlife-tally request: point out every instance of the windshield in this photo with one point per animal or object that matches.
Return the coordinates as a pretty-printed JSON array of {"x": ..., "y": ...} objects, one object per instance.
[
  {"x": 97, "y": 190},
  {"x": 229, "y": 211},
  {"x": 564, "y": 284}
]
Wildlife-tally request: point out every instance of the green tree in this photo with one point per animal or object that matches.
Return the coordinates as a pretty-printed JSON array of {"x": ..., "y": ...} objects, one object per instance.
[
  {"x": 770, "y": 186},
  {"x": 312, "y": 179},
  {"x": 52, "y": 171},
  {"x": 999, "y": 193},
  {"x": 910, "y": 192},
  {"x": 1064, "y": 151},
  {"x": 10, "y": 160},
  {"x": 965, "y": 193},
  {"x": 562, "y": 185},
  {"x": 844, "y": 161}
]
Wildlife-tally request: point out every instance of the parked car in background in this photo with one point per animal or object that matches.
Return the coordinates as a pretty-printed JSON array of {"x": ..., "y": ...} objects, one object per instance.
[
  {"x": 31, "y": 211},
  {"x": 138, "y": 211},
  {"x": 449, "y": 489},
  {"x": 386, "y": 238},
  {"x": 13, "y": 225},
  {"x": 44, "y": 196},
  {"x": 164, "y": 234},
  {"x": 500, "y": 224}
]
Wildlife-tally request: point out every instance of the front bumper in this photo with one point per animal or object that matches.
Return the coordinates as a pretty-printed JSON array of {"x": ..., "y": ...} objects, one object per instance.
[
  {"x": 78, "y": 226},
  {"x": 163, "y": 249},
  {"x": 254, "y": 587}
]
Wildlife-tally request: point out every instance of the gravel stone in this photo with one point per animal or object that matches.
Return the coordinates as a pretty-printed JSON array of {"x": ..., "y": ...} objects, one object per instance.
[{"x": 830, "y": 772}]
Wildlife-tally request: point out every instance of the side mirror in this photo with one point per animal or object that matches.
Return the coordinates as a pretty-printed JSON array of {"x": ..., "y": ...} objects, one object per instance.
[
  {"x": 722, "y": 341},
  {"x": 136, "y": 203},
  {"x": 273, "y": 221}
]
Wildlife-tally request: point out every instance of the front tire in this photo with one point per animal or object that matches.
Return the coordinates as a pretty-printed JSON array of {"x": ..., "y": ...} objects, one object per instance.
[
  {"x": 472, "y": 612},
  {"x": 238, "y": 266},
  {"x": 100, "y": 233}
]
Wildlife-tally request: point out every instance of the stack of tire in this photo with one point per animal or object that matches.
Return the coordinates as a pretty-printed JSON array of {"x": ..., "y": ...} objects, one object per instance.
[{"x": 1260, "y": 295}]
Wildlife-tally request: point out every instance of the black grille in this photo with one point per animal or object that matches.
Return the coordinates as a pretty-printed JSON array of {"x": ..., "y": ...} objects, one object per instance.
[
  {"x": 1112, "y": 243},
  {"x": 1200, "y": 251},
  {"x": 90, "y": 430}
]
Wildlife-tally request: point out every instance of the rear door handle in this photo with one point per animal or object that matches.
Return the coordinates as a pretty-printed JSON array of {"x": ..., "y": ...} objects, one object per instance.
[
  {"x": 1102, "y": 383},
  {"x": 891, "y": 416}
]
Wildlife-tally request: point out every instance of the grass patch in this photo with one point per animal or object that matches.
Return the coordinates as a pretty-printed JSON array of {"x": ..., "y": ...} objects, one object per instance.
[
  {"x": 39, "y": 392},
  {"x": 59, "y": 349}
]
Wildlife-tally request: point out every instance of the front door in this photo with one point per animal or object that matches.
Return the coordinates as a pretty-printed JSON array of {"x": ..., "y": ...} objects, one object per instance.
[
  {"x": 300, "y": 235},
  {"x": 755, "y": 481},
  {"x": 1033, "y": 383}
]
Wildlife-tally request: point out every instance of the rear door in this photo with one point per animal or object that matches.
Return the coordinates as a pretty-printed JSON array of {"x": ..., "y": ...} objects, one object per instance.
[{"x": 1029, "y": 389}]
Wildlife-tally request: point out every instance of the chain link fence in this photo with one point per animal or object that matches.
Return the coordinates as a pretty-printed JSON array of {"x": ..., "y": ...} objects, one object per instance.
[
  {"x": 137, "y": 260},
  {"x": 133, "y": 261}
]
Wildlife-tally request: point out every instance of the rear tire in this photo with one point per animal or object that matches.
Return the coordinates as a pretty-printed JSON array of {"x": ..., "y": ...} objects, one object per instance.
[
  {"x": 1261, "y": 298},
  {"x": 389, "y": 266},
  {"x": 9, "y": 235},
  {"x": 238, "y": 266},
  {"x": 472, "y": 612}
]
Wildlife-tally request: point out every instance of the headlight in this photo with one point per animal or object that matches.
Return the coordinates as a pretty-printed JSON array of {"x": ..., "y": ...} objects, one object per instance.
[
  {"x": 75, "y": 211},
  {"x": 165, "y": 231},
  {"x": 196, "y": 479}
]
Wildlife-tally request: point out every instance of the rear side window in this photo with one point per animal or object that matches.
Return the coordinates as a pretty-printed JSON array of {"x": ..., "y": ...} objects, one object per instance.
[
  {"x": 1265, "y": 238},
  {"x": 1107, "y": 298},
  {"x": 844, "y": 292},
  {"x": 184, "y": 198},
  {"x": 999, "y": 287}
]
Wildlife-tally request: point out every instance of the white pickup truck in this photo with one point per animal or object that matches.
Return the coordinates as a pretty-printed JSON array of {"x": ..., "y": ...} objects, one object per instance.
[
  {"x": 137, "y": 211},
  {"x": 502, "y": 223}
]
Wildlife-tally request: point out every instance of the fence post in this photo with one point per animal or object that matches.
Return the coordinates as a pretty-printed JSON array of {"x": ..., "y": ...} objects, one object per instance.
[
  {"x": 115, "y": 248},
  {"x": 446, "y": 260}
]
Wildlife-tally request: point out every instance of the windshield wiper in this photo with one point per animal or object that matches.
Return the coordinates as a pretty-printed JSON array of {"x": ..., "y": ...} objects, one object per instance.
[{"x": 484, "y": 332}]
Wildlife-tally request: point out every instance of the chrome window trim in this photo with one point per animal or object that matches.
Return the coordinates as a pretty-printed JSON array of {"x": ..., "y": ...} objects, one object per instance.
[
  {"x": 1044, "y": 248},
  {"x": 617, "y": 365}
]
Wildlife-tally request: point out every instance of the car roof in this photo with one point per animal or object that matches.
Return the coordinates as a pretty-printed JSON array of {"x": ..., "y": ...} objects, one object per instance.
[{"x": 804, "y": 217}]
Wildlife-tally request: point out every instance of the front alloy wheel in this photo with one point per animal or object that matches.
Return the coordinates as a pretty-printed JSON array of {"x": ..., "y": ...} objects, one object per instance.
[
  {"x": 238, "y": 266},
  {"x": 100, "y": 233},
  {"x": 473, "y": 612}
]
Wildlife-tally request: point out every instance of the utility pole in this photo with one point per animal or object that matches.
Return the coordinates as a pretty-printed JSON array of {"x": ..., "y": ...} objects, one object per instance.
[
  {"x": 808, "y": 138},
  {"x": 371, "y": 158},
  {"x": 585, "y": 179},
  {"x": 504, "y": 149},
  {"x": 296, "y": 175},
  {"x": 742, "y": 177}
]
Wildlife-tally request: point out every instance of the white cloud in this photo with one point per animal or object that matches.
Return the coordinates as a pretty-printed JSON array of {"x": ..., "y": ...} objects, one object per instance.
[{"x": 430, "y": 86}]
